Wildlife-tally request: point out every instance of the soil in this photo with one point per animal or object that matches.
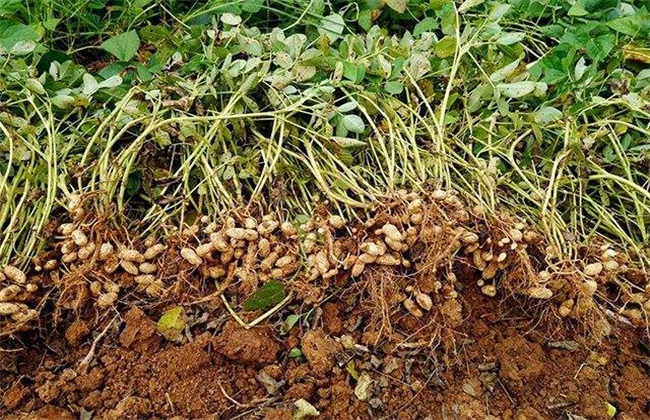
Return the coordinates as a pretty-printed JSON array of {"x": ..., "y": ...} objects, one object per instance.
[{"x": 497, "y": 363}]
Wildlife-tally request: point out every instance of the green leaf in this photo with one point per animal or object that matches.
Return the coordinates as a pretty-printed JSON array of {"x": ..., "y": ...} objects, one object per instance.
[
  {"x": 23, "y": 47},
  {"x": 251, "y": 46},
  {"x": 469, "y": 4},
  {"x": 303, "y": 73},
  {"x": 332, "y": 26},
  {"x": 577, "y": 10},
  {"x": 499, "y": 10},
  {"x": 419, "y": 65},
  {"x": 252, "y": 6},
  {"x": 133, "y": 183},
  {"x": 611, "y": 410},
  {"x": 63, "y": 101},
  {"x": 365, "y": 19},
  {"x": 289, "y": 322},
  {"x": 354, "y": 123},
  {"x": 397, "y": 5},
  {"x": 509, "y": 38},
  {"x": 111, "y": 82},
  {"x": 504, "y": 72},
  {"x": 353, "y": 72},
  {"x": 347, "y": 107},
  {"x": 9, "y": 7},
  {"x": 398, "y": 66},
  {"x": 519, "y": 89},
  {"x": 438, "y": 4},
  {"x": 14, "y": 33},
  {"x": 123, "y": 46},
  {"x": 172, "y": 323},
  {"x": 301, "y": 219},
  {"x": 394, "y": 87},
  {"x": 426, "y": 25},
  {"x": 446, "y": 47},
  {"x": 584, "y": 7},
  {"x": 580, "y": 69},
  {"x": 268, "y": 295},
  {"x": 295, "y": 353},
  {"x": 348, "y": 142},
  {"x": 230, "y": 19},
  {"x": 50, "y": 24},
  {"x": 547, "y": 115},
  {"x": 35, "y": 86},
  {"x": 90, "y": 84},
  {"x": 634, "y": 25},
  {"x": 352, "y": 370}
]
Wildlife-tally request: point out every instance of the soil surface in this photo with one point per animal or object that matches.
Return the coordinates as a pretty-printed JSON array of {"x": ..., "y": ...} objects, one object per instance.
[{"x": 497, "y": 363}]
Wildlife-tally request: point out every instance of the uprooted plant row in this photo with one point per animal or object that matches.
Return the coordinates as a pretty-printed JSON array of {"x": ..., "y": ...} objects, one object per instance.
[{"x": 254, "y": 261}]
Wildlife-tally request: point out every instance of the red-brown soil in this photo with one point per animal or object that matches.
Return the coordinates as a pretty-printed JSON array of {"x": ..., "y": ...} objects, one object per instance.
[{"x": 498, "y": 363}]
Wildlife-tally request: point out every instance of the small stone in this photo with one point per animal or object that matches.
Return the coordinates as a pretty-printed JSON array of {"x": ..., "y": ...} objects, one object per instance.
[{"x": 390, "y": 366}]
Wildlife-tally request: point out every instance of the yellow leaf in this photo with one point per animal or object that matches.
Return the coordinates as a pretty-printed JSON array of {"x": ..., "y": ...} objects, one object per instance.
[
  {"x": 352, "y": 370},
  {"x": 632, "y": 53},
  {"x": 611, "y": 410},
  {"x": 172, "y": 323}
]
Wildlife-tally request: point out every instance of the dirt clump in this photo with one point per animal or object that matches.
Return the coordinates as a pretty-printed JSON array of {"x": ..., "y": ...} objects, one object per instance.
[
  {"x": 77, "y": 332},
  {"x": 131, "y": 407},
  {"x": 255, "y": 346},
  {"x": 281, "y": 413},
  {"x": 48, "y": 412},
  {"x": 15, "y": 395},
  {"x": 320, "y": 350},
  {"x": 521, "y": 361},
  {"x": 332, "y": 322},
  {"x": 139, "y": 330}
]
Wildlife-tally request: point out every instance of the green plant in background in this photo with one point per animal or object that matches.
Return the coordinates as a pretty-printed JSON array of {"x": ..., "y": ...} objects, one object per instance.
[{"x": 165, "y": 111}]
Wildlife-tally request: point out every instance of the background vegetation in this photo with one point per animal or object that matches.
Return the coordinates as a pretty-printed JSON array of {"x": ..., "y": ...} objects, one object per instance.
[{"x": 160, "y": 111}]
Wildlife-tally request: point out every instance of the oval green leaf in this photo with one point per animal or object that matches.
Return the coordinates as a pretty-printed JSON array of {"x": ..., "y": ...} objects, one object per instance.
[{"x": 268, "y": 295}]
